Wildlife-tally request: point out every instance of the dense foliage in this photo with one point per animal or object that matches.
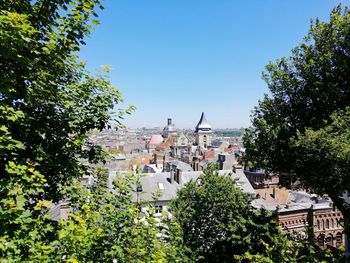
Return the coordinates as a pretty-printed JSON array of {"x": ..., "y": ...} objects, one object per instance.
[
  {"x": 301, "y": 130},
  {"x": 220, "y": 225},
  {"x": 48, "y": 103},
  {"x": 111, "y": 227},
  {"x": 218, "y": 222}
]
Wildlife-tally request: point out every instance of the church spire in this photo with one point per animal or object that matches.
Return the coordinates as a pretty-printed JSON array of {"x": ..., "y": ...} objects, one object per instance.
[
  {"x": 203, "y": 133},
  {"x": 203, "y": 124}
]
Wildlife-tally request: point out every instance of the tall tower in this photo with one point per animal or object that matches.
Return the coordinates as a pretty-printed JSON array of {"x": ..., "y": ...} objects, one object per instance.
[
  {"x": 203, "y": 132},
  {"x": 168, "y": 129}
]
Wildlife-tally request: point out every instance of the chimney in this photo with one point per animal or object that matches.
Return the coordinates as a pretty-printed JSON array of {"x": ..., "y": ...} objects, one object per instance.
[
  {"x": 171, "y": 175},
  {"x": 178, "y": 176},
  {"x": 237, "y": 167}
]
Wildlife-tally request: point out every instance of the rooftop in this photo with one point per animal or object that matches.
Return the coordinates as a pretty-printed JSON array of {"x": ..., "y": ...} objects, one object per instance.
[
  {"x": 155, "y": 139},
  {"x": 150, "y": 183},
  {"x": 203, "y": 124}
]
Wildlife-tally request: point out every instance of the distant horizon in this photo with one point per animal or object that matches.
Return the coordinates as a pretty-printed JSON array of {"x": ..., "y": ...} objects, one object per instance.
[
  {"x": 183, "y": 57},
  {"x": 190, "y": 128},
  {"x": 162, "y": 125}
]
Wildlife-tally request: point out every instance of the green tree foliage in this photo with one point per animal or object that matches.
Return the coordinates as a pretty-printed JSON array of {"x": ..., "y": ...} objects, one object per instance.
[
  {"x": 298, "y": 130},
  {"x": 111, "y": 227},
  {"x": 218, "y": 222},
  {"x": 41, "y": 78},
  {"x": 48, "y": 103},
  {"x": 328, "y": 152},
  {"x": 291, "y": 252}
]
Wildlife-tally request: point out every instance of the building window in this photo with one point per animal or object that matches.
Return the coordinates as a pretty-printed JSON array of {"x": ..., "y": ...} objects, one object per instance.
[
  {"x": 338, "y": 239},
  {"x": 320, "y": 240},
  {"x": 332, "y": 223},
  {"x": 158, "y": 209},
  {"x": 329, "y": 240},
  {"x": 327, "y": 224},
  {"x": 318, "y": 225}
]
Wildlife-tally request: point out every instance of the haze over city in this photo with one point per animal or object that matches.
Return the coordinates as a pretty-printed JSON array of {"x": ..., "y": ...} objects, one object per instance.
[{"x": 181, "y": 58}]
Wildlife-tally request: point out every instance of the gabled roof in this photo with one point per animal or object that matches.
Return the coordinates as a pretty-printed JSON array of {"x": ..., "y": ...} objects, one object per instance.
[
  {"x": 155, "y": 139},
  {"x": 176, "y": 139},
  {"x": 166, "y": 144},
  {"x": 203, "y": 124},
  {"x": 150, "y": 184}
]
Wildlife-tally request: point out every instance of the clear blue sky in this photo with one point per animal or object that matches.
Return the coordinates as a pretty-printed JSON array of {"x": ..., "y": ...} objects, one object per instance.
[{"x": 179, "y": 58}]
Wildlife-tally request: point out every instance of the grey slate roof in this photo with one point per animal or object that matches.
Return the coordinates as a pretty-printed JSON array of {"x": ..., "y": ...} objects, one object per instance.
[
  {"x": 182, "y": 166},
  {"x": 297, "y": 200},
  {"x": 216, "y": 143},
  {"x": 60, "y": 210},
  {"x": 151, "y": 183},
  {"x": 300, "y": 197},
  {"x": 203, "y": 163}
]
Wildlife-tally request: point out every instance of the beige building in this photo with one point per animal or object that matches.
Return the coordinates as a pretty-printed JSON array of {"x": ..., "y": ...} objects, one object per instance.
[{"x": 180, "y": 145}]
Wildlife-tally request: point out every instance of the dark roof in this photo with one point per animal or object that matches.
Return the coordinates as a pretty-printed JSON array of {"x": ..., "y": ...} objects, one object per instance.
[{"x": 203, "y": 124}]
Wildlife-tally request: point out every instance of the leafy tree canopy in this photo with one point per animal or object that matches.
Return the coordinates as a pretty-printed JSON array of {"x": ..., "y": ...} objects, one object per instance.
[
  {"x": 219, "y": 225},
  {"x": 218, "y": 221},
  {"x": 48, "y": 103},
  {"x": 42, "y": 80},
  {"x": 301, "y": 130},
  {"x": 111, "y": 227}
]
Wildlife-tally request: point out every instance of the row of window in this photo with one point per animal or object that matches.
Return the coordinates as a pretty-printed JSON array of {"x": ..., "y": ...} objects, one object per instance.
[
  {"x": 326, "y": 224},
  {"x": 296, "y": 222},
  {"x": 329, "y": 239},
  {"x": 321, "y": 224},
  {"x": 328, "y": 215}
]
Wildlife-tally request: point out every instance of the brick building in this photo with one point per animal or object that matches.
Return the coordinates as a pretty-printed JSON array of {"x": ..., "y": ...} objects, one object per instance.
[{"x": 303, "y": 215}]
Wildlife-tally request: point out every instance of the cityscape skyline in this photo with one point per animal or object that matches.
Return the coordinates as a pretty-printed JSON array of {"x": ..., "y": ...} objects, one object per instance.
[
  {"x": 179, "y": 59},
  {"x": 186, "y": 177},
  {"x": 162, "y": 125}
]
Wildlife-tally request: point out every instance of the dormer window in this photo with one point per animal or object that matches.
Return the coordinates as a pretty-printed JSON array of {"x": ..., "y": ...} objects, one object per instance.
[{"x": 158, "y": 209}]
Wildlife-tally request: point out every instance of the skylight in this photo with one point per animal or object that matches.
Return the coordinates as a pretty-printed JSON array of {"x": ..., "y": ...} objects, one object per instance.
[{"x": 161, "y": 186}]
